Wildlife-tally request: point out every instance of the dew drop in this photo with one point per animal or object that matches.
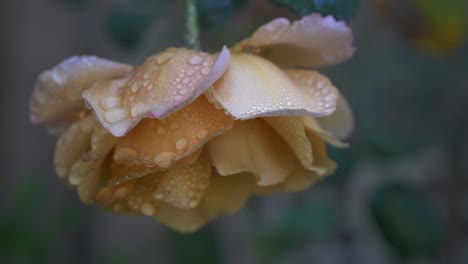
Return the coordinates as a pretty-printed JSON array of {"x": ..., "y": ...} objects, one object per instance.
[
  {"x": 181, "y": 143},
  {"x": 115, "y": 115},
  {"x": 147, "y": 209},
  {"x": 110, "y": 102},
  {"x": 135, "y": 87},
  {"x": 120, "y": 193},
  {"x": 202, "y": 134},
  {"x": 125, "y": 153},
  {"x": 195, "y": 60},
  {"x": 205, "y": 71}
]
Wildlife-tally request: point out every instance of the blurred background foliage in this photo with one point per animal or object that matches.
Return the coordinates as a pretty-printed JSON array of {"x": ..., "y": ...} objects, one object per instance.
[{"x": 399, "y": 194}]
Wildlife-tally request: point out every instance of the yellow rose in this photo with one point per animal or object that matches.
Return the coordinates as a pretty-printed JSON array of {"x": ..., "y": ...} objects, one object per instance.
[{"x": 189, "y": 136}]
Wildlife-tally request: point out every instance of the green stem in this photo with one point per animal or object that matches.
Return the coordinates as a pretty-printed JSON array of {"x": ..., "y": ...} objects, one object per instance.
[{"x": 192, "y": 36}]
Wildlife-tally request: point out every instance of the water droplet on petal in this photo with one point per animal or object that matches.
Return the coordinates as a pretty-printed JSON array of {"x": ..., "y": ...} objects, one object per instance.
[
  {"x": 205, "y": 71},
  {"x": 202, "y": 134},
  {"x": 110, "y": 102},
  {"x": 195, "y": 60},
  {"x": 147, "y": 209},
  {"x": 181, "y": 143},
  {"x": 115, "y": 115}
]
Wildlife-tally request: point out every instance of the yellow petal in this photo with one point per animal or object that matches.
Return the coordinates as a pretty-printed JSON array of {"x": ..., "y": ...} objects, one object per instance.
[
  {"x": 252, "y": 146},
  {"x": 254, "y": 87},
  {"x": 72, "y": 144},
  {"x": 129, "y": 169},
  {"x": 291, "y": 129},
  {"x": 312, "y": 125},
  {"x": 341, "y": 122},
  {"x": 314, "y": 41},
  {"x": 301, "y": 178},
  {"x": 93, "y": 169},
  {"x": 56, "y": 97},
  {"x": 184, "y": 187},
  {"x": 163, "y": 142},
  {"x": 226, "y": 195},
  {"x": 165, "y": 83}
]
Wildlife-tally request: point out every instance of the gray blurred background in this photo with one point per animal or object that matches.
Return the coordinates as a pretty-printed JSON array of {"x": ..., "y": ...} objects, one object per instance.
[{"x": 400, "y": 194}]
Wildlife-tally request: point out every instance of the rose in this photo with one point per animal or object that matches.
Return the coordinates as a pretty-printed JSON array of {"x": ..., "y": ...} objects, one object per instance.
[{"x": 189, "y": 136}]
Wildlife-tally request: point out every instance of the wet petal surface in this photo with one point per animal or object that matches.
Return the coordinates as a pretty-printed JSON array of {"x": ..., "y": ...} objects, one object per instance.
[
  {"x": 313, "y": 41},
  {"x": 254, "y": 87},
  {"x": 56, "y": 97},
  {"x": 252, "y": 146},
  {"x": 165, "y": 83}
]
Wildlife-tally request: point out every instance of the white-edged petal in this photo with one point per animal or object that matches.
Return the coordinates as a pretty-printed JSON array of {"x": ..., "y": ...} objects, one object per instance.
[
  {"x": 56, "y": 100},
  {"x": 253, "y": 87},
  {"x": 313, "y": 41}
]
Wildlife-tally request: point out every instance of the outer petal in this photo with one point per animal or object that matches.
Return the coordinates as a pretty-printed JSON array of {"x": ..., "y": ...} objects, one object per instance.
[
  {"x": 314, "y": 41},
  {"x": 72, "y": 144},
  {"x": 165, "y": 83},
  {"x": 301, "y": 178},
  {"x": 93, "y": 169},
  {"x": 56, "y": 96},
  {"x": 252, "y": 146},
  {"x": 341, "y": 122},
  {"x": 163, "y": 142},
  {"x": 312, "y": 125},
  {"x": 226, "y": 195},
  {"x": 184, "y": 187},
  {"x": 254, "y": 87},
  {"x": 291, "y": 129},
  {"x": 181, "y": 187}
]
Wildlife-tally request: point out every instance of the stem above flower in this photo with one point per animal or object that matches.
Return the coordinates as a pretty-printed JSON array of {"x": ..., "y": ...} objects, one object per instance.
[{"x": 193, "y": 40}]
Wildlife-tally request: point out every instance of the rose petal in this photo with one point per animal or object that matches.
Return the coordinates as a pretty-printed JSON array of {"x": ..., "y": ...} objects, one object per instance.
[
  {"x": 299, "y": 180},
  {"x": 322, "y": 164},
  {"x": 226, "y": 195},
  {"x": 56, "y": 96},
  {"x": 130, "y": 169},
  {"x": 72, "y": 144},
  {"x": 254, "y": 87},
  {"x": 165, "y": 83},
  {"x": 312, "y": 125},
  {"x": 92, "y": 170},
  {"x": 302, "y": 178},
  {"x": 252, "y": 146},
  {"x": 341, "y": 122},
  {"x": 184, "y": 187},
  {"x": 163, "y": 142},
  {"x": 314, "y": 41},
  {"x": 181, "y": 187},
  {"x": 292, "y": 130}
]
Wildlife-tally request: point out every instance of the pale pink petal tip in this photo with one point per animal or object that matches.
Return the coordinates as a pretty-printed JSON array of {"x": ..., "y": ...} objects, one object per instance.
[{"x": 313, "y": 41}]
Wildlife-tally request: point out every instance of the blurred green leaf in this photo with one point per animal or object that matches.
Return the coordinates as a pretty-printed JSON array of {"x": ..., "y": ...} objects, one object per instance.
[
  {"x": 27, "y": 200},
  {"x": 200, "y": 247},
  {"x": 406, "y": 219},
  {"x": 212, "y": 12},
  {"x": 340, "y": 9},
  {"x": 115, "y": 256},
  {"x": 302, "y": 224},
  {"x": 345, "y": 159},
  {"x": 76, "y": 4},
  {"x": 388, "y": 144},
  {"x": 127, "y": 24},
  {"x": 24, "y": 242}
]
